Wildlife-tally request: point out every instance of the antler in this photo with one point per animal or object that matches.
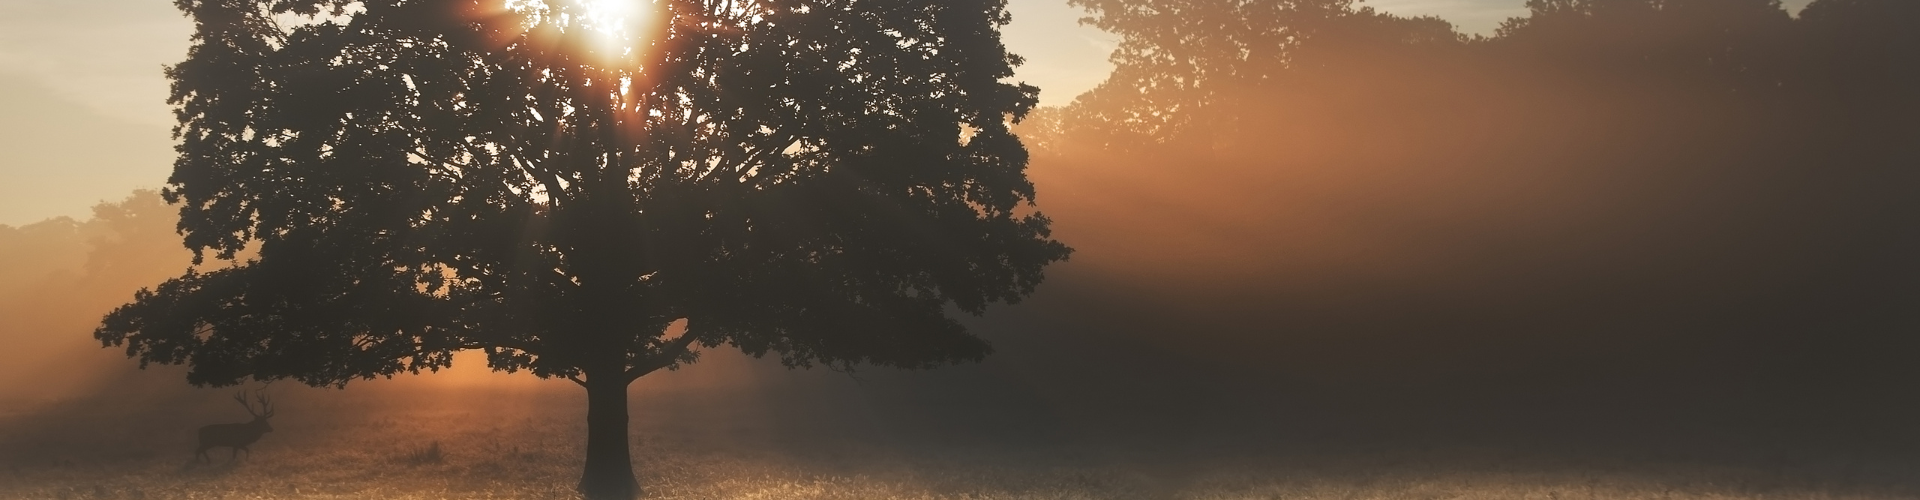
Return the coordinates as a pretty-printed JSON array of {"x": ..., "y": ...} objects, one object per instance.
[
  {"x": 266, "y": 405},
  {"x": 242, "y": 398}
]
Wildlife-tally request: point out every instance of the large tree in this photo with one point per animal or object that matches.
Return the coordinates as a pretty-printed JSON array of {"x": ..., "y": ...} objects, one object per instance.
[{"x": 556, "y": 182}]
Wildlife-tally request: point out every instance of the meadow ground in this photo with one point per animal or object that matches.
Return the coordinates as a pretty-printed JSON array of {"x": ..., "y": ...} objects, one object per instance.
[{"x": 528, "y": 445}]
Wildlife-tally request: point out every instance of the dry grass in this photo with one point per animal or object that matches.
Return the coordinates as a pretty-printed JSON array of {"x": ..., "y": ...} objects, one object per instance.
[{"x": 532, "y": 450}]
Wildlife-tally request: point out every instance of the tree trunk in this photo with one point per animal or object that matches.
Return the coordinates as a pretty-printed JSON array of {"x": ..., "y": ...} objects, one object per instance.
[{"x": 609, "y": 471}]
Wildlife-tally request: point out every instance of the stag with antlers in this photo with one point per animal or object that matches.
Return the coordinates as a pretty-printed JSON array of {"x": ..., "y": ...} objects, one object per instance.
[{"x": 237, "y": 436}]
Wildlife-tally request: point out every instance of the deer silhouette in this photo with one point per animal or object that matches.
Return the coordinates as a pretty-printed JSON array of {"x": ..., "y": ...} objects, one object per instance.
[{"x": 237, "y": 436}]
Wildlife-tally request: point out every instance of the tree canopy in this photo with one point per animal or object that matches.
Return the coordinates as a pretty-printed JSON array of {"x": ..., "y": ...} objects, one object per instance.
[{"x": 817, "y": 179}]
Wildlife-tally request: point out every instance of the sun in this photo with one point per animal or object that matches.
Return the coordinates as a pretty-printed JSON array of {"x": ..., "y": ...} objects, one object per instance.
[
  {"x": 614, "y": 19},
  {"x": 618, "y": 26},
  {"x": 609, "y": 15}
]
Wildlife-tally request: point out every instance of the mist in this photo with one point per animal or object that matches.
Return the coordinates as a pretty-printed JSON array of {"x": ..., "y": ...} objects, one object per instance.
[
  {"x": 1705, "y": 225},
  {"x": 1687, "y": 228}
]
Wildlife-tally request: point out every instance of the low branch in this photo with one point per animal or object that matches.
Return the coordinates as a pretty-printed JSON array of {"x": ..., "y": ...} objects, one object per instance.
[{"x": 665, "y": 358}]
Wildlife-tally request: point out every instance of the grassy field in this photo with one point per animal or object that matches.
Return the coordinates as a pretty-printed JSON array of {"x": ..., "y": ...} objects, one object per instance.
[{"x": 528, "y": 444}]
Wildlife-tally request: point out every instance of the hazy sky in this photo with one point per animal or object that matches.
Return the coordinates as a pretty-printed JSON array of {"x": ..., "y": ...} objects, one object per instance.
[{"x": 86, "y": 119}]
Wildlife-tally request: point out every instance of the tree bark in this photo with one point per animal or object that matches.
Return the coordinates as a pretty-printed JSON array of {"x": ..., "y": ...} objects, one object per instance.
[{"x": 609, "y": 470}]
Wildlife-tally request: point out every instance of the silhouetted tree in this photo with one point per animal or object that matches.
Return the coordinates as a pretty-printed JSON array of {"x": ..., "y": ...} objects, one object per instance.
[{"x": 819, "y": 179}]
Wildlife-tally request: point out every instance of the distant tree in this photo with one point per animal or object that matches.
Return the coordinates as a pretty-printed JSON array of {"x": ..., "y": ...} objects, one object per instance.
[
  {"x": 1736, "y": 45},
  {"x": 555, "y": 185},
  {"x": 57, "y": 275},
  {"x": 1184, "y": 69},
  {"x": 1671, "y": 187}
]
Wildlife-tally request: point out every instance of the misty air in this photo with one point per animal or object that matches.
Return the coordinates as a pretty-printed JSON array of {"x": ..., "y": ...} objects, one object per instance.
[{"x": 960, "y": 249}]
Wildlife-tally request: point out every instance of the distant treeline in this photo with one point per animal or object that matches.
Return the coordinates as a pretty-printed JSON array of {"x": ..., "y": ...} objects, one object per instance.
[
  {"x": 1214, "y": 74},
  {"x": 1691, "y": 147},
  {"x": 58, "y": 276},
  {"x": 1656, "y": 200}
]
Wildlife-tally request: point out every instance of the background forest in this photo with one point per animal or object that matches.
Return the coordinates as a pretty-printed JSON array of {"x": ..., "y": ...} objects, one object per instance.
[
  {"x": 1608, "y": 206},
  {"x": 1648, "y": 248}
]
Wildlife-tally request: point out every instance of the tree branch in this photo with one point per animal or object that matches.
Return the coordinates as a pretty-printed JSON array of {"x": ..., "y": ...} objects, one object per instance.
[{"x": 666, "y": 357}]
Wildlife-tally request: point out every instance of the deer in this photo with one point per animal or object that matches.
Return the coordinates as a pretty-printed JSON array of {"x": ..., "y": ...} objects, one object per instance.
[{"x": 237, "y": 436}]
